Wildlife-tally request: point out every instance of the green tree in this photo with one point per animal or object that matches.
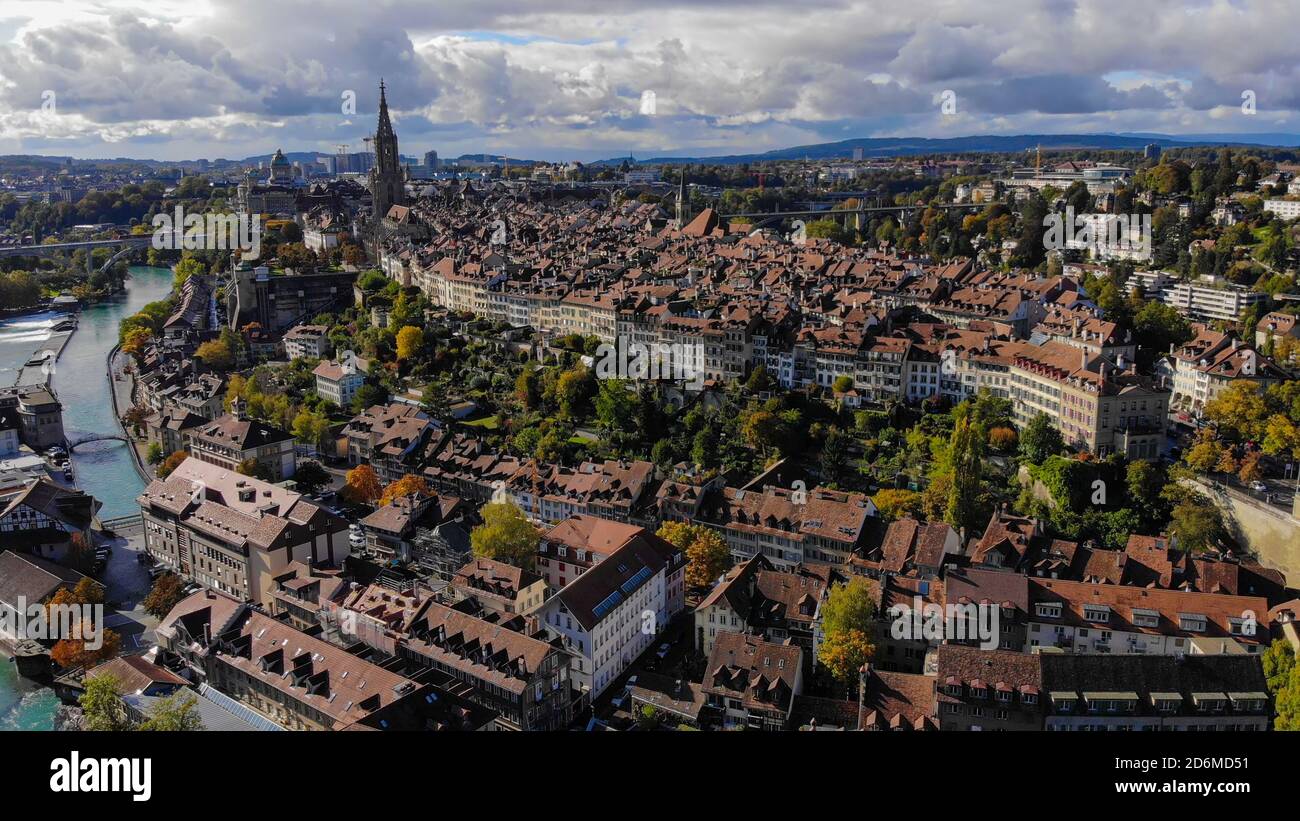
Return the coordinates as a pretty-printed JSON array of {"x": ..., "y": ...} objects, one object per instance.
[
  {"x": 897, "y": 504},
  {"x": 505, "y": 535},
  {"x": 310, "y": 476},
  {"x": 175, "y": 713},
  {"x": 1196, "y": 523},
  {"x": 849, "y": 606},
  {"x": 965, "y": 455},
  {"x": 1040, "y": 439},
  {"x": 102, "y": 707},
  {"x": 311, "y": 427}
]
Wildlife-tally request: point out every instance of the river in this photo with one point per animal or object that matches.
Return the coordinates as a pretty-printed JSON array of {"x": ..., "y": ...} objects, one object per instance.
[{"x": 103, "y": 469}]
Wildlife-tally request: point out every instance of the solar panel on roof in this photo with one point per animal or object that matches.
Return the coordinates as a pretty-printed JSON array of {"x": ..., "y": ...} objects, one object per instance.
[{"x": 609, "y": 603}]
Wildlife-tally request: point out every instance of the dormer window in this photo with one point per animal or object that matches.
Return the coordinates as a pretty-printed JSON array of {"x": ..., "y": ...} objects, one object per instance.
[
  {"x": 1099, "y": 613},
  {"x": 1146, "y": 618},
  {"x": 1048, "y": 610},
  {"x": 1192, "y": 622}
]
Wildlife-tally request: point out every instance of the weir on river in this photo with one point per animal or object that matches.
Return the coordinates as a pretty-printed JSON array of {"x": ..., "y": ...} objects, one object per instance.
[{"x": 103, "y": 469}]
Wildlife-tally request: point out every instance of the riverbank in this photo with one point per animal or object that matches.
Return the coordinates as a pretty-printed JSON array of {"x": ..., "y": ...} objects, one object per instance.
[
  {"x": 103, "y": 469},
  {"x": 123, "y": 401}
]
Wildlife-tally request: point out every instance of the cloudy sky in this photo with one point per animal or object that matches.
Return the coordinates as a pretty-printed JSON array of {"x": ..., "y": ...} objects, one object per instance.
[{"x": 567, "y": 79}]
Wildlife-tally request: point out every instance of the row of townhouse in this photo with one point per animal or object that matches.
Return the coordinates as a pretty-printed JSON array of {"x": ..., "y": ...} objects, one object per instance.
[
  {"x": 241, "y": 657},
  {"x": 995, "y": 690}
]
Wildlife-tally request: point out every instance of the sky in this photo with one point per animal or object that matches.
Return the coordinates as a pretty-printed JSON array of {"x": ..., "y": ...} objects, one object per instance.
[{"x": 577, "y": 80}]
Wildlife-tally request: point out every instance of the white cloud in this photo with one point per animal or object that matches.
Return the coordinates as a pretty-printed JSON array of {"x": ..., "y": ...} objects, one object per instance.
[{"x": 555, "y": 78}]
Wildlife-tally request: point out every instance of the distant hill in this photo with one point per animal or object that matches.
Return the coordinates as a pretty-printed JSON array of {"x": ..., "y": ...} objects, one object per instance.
[{"x": 913, "y": 146}]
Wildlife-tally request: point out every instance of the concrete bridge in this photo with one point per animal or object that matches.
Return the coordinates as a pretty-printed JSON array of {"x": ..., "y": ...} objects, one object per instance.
[{"x": 126, "y": 244}]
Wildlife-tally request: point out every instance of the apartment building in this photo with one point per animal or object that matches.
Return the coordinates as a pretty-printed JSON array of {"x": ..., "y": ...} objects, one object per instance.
[
  {"x": 1154, "y": 693},
  {"x": 231, "y": 440},
  {"x": 612, "y": 613},
  {"x": 499, "y": 587},
  {"x": 42, "y": 519},
  {"x": 235, "y": 533},
  {"x": 1079, "y": 617},
  {"x": 1284, "y": 210},
  {"x": 1209, "y": 303},
  {"x": 1275, "y": 325},
  {"x": 987, "y": 690},
  {"x": 527, "y": 680},
  {"x": 756, "y": 598},
  {"x": 752, "y": 684},
  {"x": 40, "y": 414},
  {"x": 577, "y": 544},
  {"x": 388, "y": 437},
  {"x": 1097, "y": 406},
  {"x": 338, "y": 382},
  {"x": 294, "y": 679},
  {"x": 307, "y": 342},
  {"x": 789, "y": 527},
  {"x": 1209, "y": 364}
]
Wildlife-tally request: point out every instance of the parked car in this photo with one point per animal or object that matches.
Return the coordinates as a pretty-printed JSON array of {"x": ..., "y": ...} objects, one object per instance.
[{"x": 1258, "y": 486}]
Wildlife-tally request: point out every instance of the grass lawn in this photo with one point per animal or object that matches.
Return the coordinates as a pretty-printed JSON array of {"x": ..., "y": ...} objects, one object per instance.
[{"x": 485, "y": 422}]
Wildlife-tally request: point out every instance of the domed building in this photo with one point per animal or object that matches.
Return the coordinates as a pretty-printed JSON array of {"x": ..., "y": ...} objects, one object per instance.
[{"x": 281, "y": 170}]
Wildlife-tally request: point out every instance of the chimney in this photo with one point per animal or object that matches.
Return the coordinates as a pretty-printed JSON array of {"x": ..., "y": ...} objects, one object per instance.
[{"x": 1083, "y": 357}]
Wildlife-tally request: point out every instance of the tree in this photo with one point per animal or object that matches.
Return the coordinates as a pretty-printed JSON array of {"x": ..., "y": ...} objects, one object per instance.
[
  {"x": 505, "y": 535},
  {"x": 102, "y": 707},
  {"x": 834, "y": 457},
  {"x": 1248, "y": 471},
  {"x": 897, "y": 504},
  {"x": 572, "y": 391},
  {"x": 410, "y": 340},
  {"x": 1003, "y": 439},
  {"x": 405, "y": 486},
  {"x": 217, "y": 354},
  {"x": 310, "y": 476},
  {"x": 362, "y": 485},
  {"x": 186, "y": 268},
  {"x": 965, "y": 455},
  {"x": 70, "y": 653},
  {"x": 1227, "y": 462},
  {"x": 844, "y": 653},
  {"x": 134, "y": 341},
  {"x": 1203, "y": 457},
  {"x": 614, "y": 405},
  {"x": 1040, "y": 439},
  {"x": 706, "y": 552},
  {"x": 166, "y": 593},
  {"x": 1240, "y": 408},
  {"x": 135, "y": 417},
  {"x": 175, "y": 713},
  {"x": 311, "y": 427},
  {"x": 1196, "y": 523},
  {"x": 849, "y": 606},
  {"x": 762, "y": 429},
  {"x": 171, "y": 463},
  {"x": 1278, "y": 661},
  {"x": 842, "y": 384}
]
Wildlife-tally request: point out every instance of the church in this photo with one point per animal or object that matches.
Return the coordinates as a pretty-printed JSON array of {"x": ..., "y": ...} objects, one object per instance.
[{"x": 387, "y": 181}]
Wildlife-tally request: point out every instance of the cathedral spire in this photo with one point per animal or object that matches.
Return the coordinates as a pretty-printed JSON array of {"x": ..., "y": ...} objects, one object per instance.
[{"x": 386, "y": 178}]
